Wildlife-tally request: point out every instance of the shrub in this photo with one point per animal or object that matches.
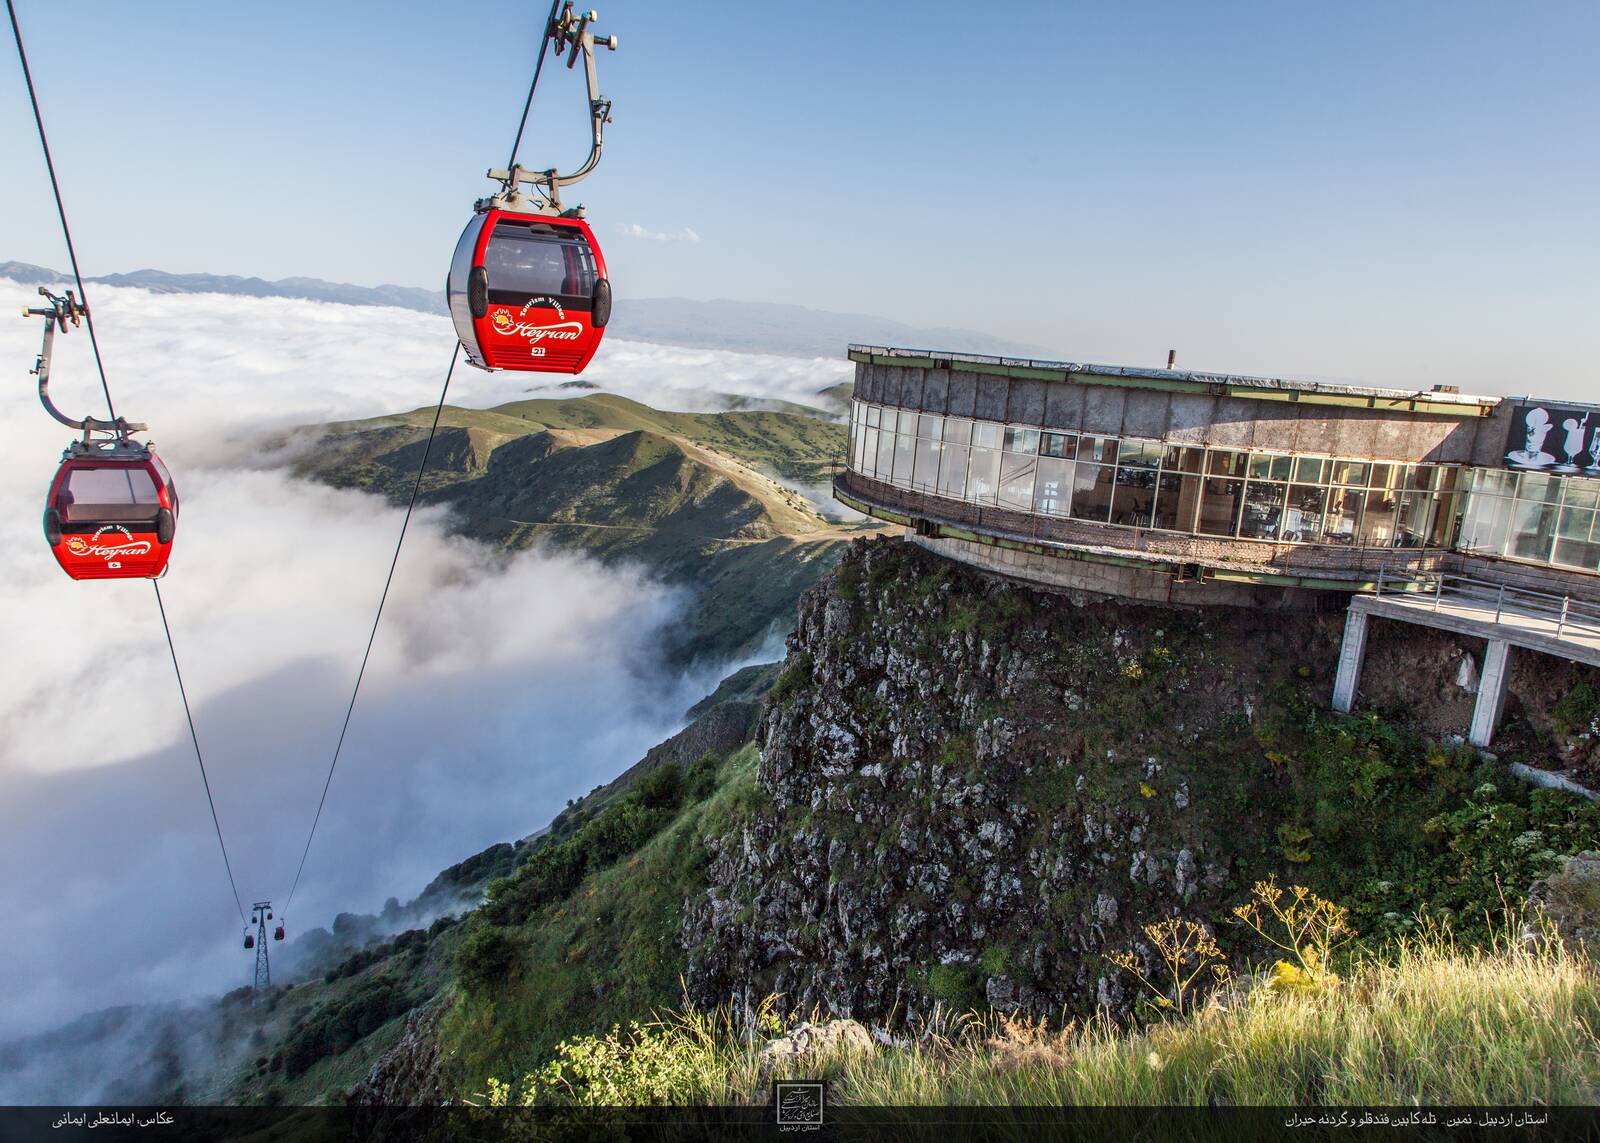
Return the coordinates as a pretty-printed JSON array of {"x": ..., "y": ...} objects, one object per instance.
[
  {"x": 701, "y": 780},
  {"x": 486, "y": 958},
  {"x": 661, "y": 787}
]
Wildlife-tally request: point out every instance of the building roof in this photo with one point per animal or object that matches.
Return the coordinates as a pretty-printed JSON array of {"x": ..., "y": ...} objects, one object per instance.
[{"x": 1279, "y": 388}]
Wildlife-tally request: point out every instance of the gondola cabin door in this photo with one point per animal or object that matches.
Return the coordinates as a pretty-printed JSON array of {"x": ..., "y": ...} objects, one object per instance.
[{"x": 529, "y": 292}]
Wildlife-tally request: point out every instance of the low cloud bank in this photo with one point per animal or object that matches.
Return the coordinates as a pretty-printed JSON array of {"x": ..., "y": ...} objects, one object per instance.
[{"x": 500, "y": 686}]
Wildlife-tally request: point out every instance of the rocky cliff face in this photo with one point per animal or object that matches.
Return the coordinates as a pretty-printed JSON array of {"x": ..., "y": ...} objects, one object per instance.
[
  {"x": 977, "y": 789},
  {"x": 973, "y": 790}
]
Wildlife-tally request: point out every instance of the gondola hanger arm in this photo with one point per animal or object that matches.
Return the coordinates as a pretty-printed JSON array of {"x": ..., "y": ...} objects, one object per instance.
[
  {"x": 59, "y": 314},
  {"x": 569, "y": 33}
]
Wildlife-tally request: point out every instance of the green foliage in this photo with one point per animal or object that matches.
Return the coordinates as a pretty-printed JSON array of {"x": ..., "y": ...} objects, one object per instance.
[
  {"x": 605, "y": 951},
  {"x": 1405, "y": 827},
  {"x": 701, "y": 780},
  {"x": 955, "y": 986},
  {"x": 554, "y": 870},
  {"x": 662, "y": 787},
  {"x": 995, "y": 961},
  {"x": 796, "y": 676},
  {"x": 1578, "y": 711},
  {"x": 486, "y": 958},
  {"x": 338, "y": 1025}
]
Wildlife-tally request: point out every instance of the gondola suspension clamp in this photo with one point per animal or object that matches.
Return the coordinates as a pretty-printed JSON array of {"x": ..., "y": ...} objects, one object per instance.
[{"x": 570, "y": 34}]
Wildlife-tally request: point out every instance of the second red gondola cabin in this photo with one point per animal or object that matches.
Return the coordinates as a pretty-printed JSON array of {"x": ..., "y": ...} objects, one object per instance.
[
  {"x": 529, "y": 292},
  {"x": 112, "y": 517}
]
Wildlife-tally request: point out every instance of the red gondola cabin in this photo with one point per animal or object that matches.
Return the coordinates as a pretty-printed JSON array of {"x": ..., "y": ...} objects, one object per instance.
[
  {"x": 112, "y": 517},
  {"x": 529, "y": 292}
]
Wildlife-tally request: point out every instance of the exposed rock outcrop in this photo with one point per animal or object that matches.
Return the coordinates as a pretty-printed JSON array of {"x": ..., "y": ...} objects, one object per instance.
[
  {"x": 408, "y": 1074},
  {"x": 977, "y": 789}
]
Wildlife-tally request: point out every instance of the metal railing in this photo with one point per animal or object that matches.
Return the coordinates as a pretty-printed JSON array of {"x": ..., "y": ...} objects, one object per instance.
[{"x": 1572, "y": 617}]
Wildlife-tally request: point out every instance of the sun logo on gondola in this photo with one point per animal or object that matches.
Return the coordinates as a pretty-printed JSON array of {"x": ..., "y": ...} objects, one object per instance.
[{"x": 502, "y": 321}]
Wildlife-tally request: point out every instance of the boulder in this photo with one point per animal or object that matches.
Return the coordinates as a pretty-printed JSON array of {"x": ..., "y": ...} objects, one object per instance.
[{"x": 813, "y": 1045}]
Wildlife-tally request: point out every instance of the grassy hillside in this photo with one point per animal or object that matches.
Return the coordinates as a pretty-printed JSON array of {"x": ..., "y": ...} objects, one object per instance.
[
  {"x": 599, "y": 918},
  {"x": 695, "y": 497}
]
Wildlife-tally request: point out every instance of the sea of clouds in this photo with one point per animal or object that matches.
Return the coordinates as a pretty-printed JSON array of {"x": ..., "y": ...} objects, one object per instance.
[{"x": 500, "y": 686}]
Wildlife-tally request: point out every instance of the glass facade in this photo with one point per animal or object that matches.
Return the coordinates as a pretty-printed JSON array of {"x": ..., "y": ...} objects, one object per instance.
[
  {"x": 1538, "y": 517},
  {"x": 1241, "y": 494}
]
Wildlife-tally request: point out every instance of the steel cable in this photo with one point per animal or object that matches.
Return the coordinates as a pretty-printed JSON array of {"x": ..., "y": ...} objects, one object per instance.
[
  {"x": 544, "y": 44},
  {"x": 55, "y": 187},
  {"x": 416, "y": 489},
  {"x": 83, "y": 296}
]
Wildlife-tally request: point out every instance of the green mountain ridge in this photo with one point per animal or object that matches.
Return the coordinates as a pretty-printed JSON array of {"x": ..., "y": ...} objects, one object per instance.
[{"x": 693, "y": 497}]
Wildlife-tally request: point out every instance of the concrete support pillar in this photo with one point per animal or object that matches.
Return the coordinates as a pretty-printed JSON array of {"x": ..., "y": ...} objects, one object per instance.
[
  {"x": 1351, "y": 652},
  {"x": 1491, "y": 693}
]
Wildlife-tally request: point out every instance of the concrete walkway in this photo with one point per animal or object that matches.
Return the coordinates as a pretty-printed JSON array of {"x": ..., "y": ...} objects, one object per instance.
[{"x": 1466, "y": 615}]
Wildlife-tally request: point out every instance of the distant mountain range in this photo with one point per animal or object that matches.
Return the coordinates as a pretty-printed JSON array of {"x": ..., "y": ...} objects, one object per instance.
[{"x": 740, "y": 327}]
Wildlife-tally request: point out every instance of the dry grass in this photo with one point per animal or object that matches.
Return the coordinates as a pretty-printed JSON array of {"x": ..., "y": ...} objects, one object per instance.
[{"x": 1427, "y": 1023}]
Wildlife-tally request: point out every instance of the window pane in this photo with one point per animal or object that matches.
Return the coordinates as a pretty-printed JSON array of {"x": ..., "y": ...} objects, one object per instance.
[
  {"x": 1441, "y": 534},
  {"x": 905, "y": 452},
  {"x": 527, "y": 259},
  {"x": 1219, "y": 506},
  {"x": 1185, "y": 460},
  {"x": 930, "y": 427},
  {"x": 986, "y": 434},
  {"x": 1302, "y": 519},
  {"x": 1577, "y": 545},
  {"x": 1101, "y": 449},
  {"x": 1311, "y": 470},
  {"x": 1583, "y": 494},
  {"x": 1411, "y": 519},
  {"x": 925, "y": 477},
  {"x": 1385, "y": 476},
  {"x": 1265, "y": 466},
  {"x": 1139, "y": 454},
  {"x": 1378, "y": 519},
  {"x": 1017, "y": 471},
  {"x": 1532, "y": 530},
  {"x": 1091, "y": 491},
  {"x": 1058, "y": 444},
  {"x": 957, "y": 430},
  {"x": 1263, "y": 510},
  {"x": 111, "y": 486},
  {"x": 1226, "y": 463},
  {"x": 1539, "y": 486},
  {"x": 873, "y": 415},
  {"x": 868, "y": 463},
  {"x": 1344, "y": 516},
  {"x": 1352, "y": 472},
  {"x": 1134, "y": 496},
  {"x": 1022, "y": 440},
  {"x": 885, "y": 453},
  {"x": 1177, "y": 502},
  {"x": 983, "y": 475},
  {"x": 1052, "y": 488},
  {"x": 953, "y": 469}
]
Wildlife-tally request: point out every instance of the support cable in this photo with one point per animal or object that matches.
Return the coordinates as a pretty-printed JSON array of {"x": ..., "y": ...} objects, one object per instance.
[
  {"x": 416, "y": 489},
  {"x": 198, "y": 757},
  {"x": 544, "y": 44},
  {"x": 83, "y": 296},
  {"x": 61, "y": 210}
]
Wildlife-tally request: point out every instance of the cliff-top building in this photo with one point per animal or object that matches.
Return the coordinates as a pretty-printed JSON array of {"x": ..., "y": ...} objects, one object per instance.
[{"x": 1207, "y": 488}]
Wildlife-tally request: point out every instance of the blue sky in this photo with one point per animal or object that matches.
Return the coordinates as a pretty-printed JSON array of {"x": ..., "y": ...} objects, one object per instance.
[{"x": 1399, "y": 194}]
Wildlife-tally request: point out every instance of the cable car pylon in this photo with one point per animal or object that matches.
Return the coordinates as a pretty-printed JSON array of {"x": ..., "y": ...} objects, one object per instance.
[{"x": 260, "y": 914}]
